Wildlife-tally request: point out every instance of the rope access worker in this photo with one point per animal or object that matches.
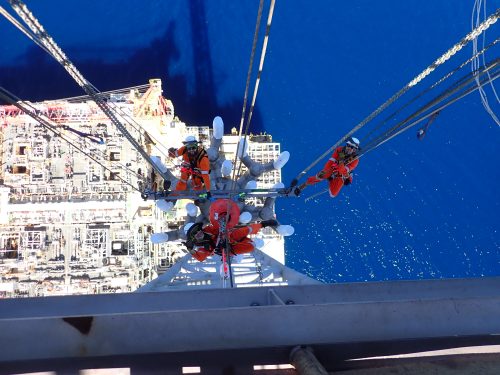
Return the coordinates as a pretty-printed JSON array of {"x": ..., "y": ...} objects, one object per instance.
[
  {"x": 337, "y": 170},
  {"x": 203, "y": 241},
  {"x": 195, "y": 164}
]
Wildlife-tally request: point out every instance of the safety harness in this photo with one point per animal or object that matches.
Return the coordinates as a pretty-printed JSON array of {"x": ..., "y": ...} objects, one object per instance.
[{"x": 191, "y": 167}]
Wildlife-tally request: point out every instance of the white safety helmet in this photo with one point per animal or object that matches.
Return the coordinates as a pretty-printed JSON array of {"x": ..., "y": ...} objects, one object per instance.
[
  {"x": 353, "y": 142},
  {"x": 190, "y": 139}
]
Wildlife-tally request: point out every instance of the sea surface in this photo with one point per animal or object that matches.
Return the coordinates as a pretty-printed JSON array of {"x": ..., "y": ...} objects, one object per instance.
[{"x": 416, "y": 209}]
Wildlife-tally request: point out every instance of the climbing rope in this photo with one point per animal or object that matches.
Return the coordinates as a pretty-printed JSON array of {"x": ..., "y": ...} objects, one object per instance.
[
  {"x": 250, "y": 65},
  {"x": 237, "y": 170},
  {"x": 243, "y": 134}
]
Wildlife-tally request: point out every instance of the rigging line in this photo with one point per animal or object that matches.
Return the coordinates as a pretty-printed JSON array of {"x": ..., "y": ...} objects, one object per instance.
[
  {"x": 467, "y": 92},
  {"x": 315, "y": 195},
  {"x": 247, "y": 85},
  {"x": 428, "y": 89},
  {"x": 468, "y": 79},
  {"x": 106, "y": 93},
  {"x": 475, "y": 63},
  {"x": 462, "y": 82},
  {"x": 390, "y": 133},
  {"x": 48, "y": 126},
  {"x": 55, "y": 127},
  {"x": 484, "y": 60},
  {"x": 366, "y": 150},
  {"x": 258, "y": 267},
  {"x": 126, "y": 116},
  {"x": 91, "y": 137},
  {"x": 119, "y": 110},
  {"x": 35, "y": 39},
  {"x": 259, "y": 73},
  {"x": 439, "y": 99},
  {"x": 441, "y": 60},
  {"x": 23, "y": 105},
  {"x": 23, "y": 29},
  {"x": 230, "y": 268},
  {"x": 99, "y": 153},
  {"x": 22, "y": 10}
]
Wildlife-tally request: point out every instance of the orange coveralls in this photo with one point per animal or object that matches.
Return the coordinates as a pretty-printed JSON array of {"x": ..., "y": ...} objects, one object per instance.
[
  {"x": 239, "y": 243},
  {"x": 198, "y": 168},
  {"x": 332, "y": 171}
]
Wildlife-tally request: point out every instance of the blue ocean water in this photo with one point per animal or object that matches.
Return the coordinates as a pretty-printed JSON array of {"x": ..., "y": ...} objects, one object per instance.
[{"x": 416, "y": 209}]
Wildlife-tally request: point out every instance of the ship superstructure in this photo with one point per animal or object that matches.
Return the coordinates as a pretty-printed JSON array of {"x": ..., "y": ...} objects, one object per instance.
[{"x": 71, "y": 220}]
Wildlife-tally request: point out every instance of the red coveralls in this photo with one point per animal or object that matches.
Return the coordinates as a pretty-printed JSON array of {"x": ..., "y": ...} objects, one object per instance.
[
  {"x": 197, "y": 167},
  {"x": 336, "y": 171}
]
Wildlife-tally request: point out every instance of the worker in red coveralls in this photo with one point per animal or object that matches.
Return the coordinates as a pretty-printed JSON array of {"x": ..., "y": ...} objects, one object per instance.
[
  {"x": 203, "y": 241},
  {"x": 337, "y": 170},
  {"x": 195, "y": 165}
]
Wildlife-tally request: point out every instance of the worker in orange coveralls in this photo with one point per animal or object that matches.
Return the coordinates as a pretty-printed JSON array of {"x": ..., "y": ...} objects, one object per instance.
[
  {"x": 337, "y": 170},
  {"x": 195, "y": 165},
  {"x": 203, "y": 241}
]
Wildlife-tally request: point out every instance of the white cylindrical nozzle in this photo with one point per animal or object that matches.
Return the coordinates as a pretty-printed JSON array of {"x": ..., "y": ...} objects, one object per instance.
[
  {"x": 251, "y": 185},
  {"x": 191, "y": 209},
  {"x": 157, "y": 161},
  {"x": 258, "y": 243},
  {"x": 285, "y": 230},
  {"x": 245, "y": 217},
  {"x": 218, "y": 126},
  {"x": 157, "y": 238},
  {"x": 243, "y": 148},
  {"x": 281, "y": 160},
  {"x": 227, "y": 168},
  {"x": 165, "y": 206}
]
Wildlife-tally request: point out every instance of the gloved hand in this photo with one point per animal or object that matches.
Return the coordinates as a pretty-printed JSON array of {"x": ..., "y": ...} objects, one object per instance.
[
  {"x": 206, "y": 195},
  {"x": 172, "y": 152},
  {"x": 342, "y": 170},
  {"x": 240, "y": 197},
  {"x": 320, "y": 174},
  {"x": 189, "y": 245},
  {"x": 269, "y": 223}
]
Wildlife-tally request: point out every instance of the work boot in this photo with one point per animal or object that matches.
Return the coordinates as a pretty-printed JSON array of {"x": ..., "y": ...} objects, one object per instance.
[
  {"x": 299, "y": 189},
  {"x": 269, "y": 223}
]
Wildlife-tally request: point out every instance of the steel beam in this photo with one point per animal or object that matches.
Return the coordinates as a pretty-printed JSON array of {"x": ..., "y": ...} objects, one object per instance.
[{"x": 247, "y": 320}]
